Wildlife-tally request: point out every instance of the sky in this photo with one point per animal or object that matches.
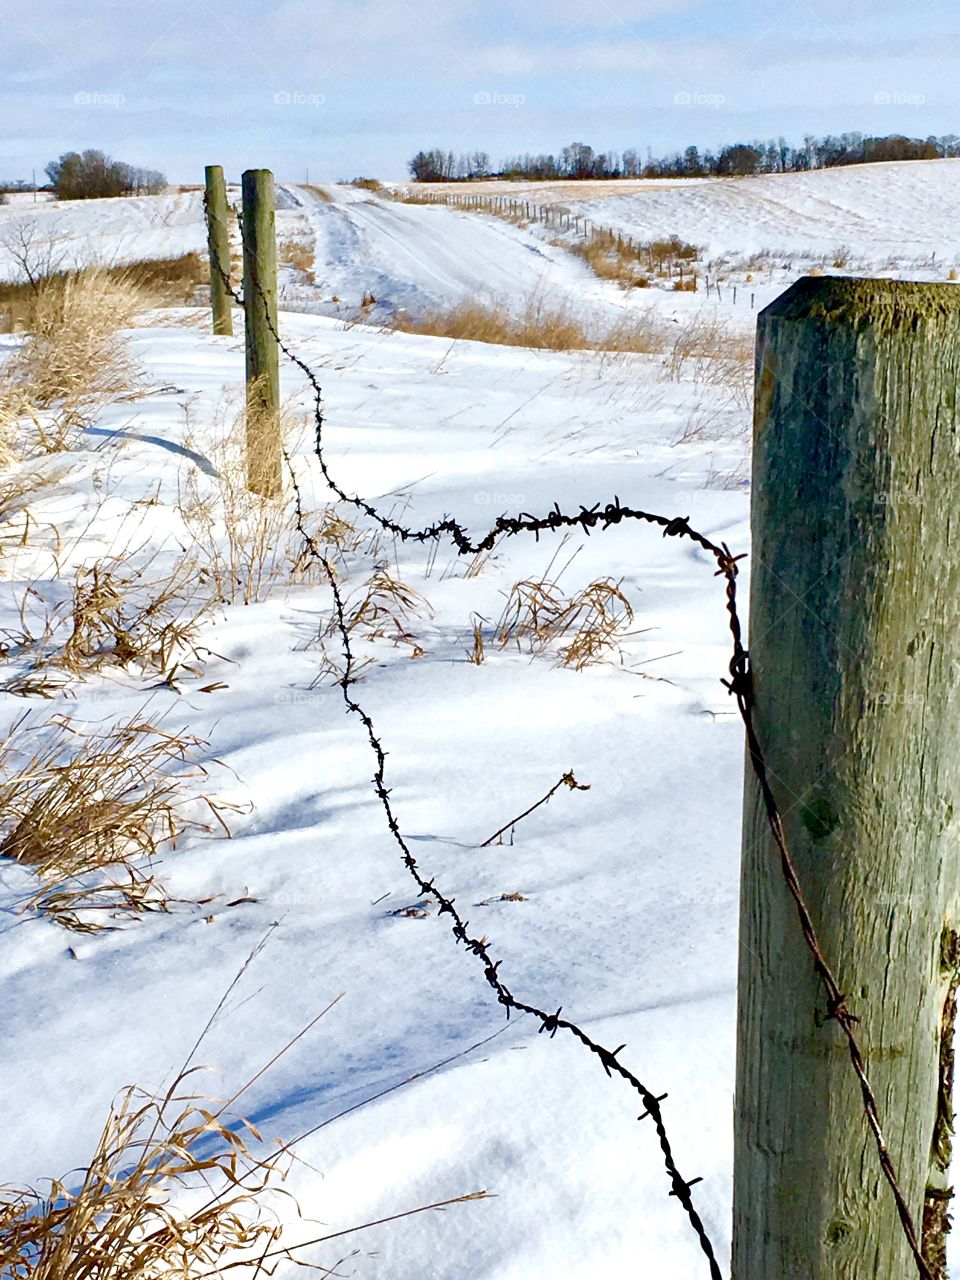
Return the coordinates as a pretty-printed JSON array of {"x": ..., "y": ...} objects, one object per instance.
[{"x": 336, "y": 89}]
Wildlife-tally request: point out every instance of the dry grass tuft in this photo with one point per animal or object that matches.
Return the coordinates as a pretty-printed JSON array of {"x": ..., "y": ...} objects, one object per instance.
[
  {"x": 706, "y": 350},
  {"x": 19, "y": 486},
  {"x": 115, "y": 617},
  {"x": 88, "y": 811},
  {"x": 590, "y": 625},
  {"x": 130, "y": 1214},
  {"x": 538, "y": 326},
  {"x": 477, "y": 652},
  {"x": 369, "y": 184},
  {"x": 72, "y": 362},
  {"x": 299, "y": 255},
  {"x": 632, "y": 266},
  {"x": 384, "y": 609},
  {"x": 168, "y": 281},
  {"x": 248, "y": 545}
]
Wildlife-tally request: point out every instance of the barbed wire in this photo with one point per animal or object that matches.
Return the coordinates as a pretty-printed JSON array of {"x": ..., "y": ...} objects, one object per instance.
[{"x": 739, "y": 685}]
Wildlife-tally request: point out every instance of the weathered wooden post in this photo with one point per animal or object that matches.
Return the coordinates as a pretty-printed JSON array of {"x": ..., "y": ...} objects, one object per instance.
[
  {"x": 264, "y": 449},
  {"x": 218, "y": 244},
  {"x": 855, "y": 650}
]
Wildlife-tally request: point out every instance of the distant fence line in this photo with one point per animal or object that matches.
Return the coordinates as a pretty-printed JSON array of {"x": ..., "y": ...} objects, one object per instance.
[{"x": 659, "y": 255}]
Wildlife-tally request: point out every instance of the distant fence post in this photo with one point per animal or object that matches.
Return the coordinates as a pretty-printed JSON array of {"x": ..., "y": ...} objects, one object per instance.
[
  {"x": 264, "y": 450},
  {"x": 218, "y": 244},
  {"x": 855, "y": 654}
]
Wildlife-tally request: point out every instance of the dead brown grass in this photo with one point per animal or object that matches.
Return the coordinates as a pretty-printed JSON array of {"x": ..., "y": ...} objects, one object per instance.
[
  {"x": 179, "y": 1187},
  {"x": 539, "y": 325},
  {"x": 73, "y": 360},
  {"x": 634, "y": 265},
  {"x": 386, "y": 609},
  {"x": 248, "y": 545},
  {"x": 114, "y": 616},
  {"x": 19, "y": 486},
  {"x": 707, "y": 350},
  {"x": 299, "y": 255},
  {"x": 88, "y": 811},
  {"x": 586, "y": 629},
  {"x": 163, "y": 281},
  {"x": 121, "y": 1223}
]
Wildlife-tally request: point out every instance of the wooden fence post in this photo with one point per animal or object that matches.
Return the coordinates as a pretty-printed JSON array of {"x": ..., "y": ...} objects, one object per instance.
[
  {"x": 218, "y": 245},
  {"x": 264, "y": 449},
  {"x": 855, "y": 652}
]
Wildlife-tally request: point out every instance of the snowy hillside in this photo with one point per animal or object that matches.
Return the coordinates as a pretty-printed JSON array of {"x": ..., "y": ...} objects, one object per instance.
[
  {"x": 758, "y": 233},
  {"x": 105, "y": 232},
  {"x": 904, "y": 212}
]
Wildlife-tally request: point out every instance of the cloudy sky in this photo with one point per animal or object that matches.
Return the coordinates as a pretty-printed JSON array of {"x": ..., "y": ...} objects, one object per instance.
[{"x": 349, "y": 87}]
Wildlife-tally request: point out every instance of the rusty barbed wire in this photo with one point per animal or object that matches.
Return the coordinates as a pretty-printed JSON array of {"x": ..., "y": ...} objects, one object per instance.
[
  {"x": 739, "y": 686},
  {"x": 550, "y": 1022}
]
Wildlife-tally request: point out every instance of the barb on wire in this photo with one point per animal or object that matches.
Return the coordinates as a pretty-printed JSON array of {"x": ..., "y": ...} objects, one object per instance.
[{"x": 739, "y": 685}]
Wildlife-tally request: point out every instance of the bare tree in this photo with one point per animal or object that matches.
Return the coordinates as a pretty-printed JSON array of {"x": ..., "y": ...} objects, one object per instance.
[{"x": 37, "y": 253}]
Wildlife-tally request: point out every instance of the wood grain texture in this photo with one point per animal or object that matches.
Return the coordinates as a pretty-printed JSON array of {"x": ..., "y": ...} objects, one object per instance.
[
  {"x": 218, "y": 245},
  {"x": 264, "y": 450},
  {"x": 855, "y": 646}
]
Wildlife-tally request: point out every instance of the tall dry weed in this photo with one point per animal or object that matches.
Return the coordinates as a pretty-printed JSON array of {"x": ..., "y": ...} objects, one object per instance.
[
  {"x": 89, "y": 810},
  {"x": 113, "y": 616},
  {"x": 539, "y": 325},
  {"x": 247, "y": 544},
  {"x": 73, "y": 360}
]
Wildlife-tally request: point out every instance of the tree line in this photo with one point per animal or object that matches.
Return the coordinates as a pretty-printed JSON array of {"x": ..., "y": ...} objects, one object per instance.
[
  {"x": 579, "y": 161},
  {"x": 90, "y": 174}
]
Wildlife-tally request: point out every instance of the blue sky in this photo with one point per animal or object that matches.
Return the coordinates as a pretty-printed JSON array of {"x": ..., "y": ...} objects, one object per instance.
[{"x": 349, "y": 87}]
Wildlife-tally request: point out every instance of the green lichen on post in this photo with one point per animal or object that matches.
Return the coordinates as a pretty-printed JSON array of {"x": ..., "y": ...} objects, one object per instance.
[
  {"x": 218, "y": 244},
  {"x": 264, "y": 447},
  {"x": 886, "y": 305},
  {"x": 855, "y": 651}
]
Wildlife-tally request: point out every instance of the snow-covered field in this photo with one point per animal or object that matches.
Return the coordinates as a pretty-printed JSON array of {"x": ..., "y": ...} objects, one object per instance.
[
  {"x": 102, "y": 232},
  {"x": 629, "y": 890},
  {"x": 881, "y": 214}
]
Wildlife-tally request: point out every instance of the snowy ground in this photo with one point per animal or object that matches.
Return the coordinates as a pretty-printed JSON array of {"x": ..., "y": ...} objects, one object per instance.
[
  {"x": 629, "y": 908},
  {"x": 474, "y": 430}
]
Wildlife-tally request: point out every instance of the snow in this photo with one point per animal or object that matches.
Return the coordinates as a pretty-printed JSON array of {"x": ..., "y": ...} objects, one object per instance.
[
  {"x": 896, "y": 211},
  {"x": 630, "y": 889},
  {"x": 472, "y": 430},
  {"x": 109, "y": 232}
]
